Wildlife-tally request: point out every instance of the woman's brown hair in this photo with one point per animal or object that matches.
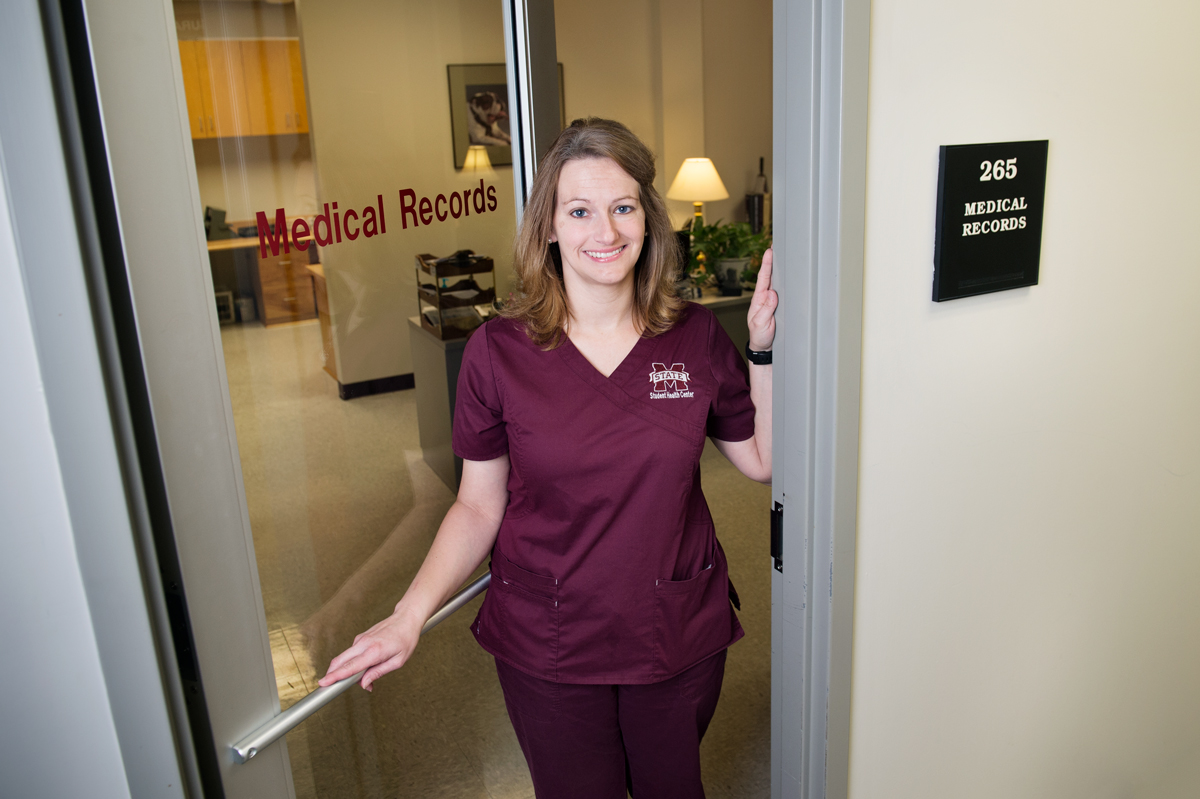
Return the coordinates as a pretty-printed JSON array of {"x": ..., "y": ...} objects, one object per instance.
[{"x": 540, "y": 302}]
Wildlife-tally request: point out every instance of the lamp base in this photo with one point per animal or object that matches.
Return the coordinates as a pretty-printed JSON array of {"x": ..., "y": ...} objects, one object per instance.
[{"x": 698, "y": 219}]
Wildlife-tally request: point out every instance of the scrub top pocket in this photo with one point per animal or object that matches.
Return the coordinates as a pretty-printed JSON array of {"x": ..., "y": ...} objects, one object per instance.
[
  {"x": 692, "y": 618},
  {"x": 521, "y": 611}
]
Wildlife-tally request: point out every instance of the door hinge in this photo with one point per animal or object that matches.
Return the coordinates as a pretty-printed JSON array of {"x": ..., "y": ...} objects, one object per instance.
[{"x": 777, "y": 535}]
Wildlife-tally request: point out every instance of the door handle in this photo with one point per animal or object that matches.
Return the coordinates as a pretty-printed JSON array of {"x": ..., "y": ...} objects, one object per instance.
[{"x": 279, "y": 726}]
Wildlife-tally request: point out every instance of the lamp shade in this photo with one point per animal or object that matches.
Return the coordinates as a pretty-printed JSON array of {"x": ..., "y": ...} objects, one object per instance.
[
  {"x": 477, "y": 159},
  {"x": 697, "y": 181}
]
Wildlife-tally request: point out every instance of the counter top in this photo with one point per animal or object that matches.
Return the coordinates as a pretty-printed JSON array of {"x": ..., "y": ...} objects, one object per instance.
[
  {"x": 713, "y": 299},
  {"x": 238, "y": 243}
]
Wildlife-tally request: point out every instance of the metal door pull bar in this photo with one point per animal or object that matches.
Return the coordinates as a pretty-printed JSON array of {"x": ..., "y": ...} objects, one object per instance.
[{"x": 282, "y": 724}]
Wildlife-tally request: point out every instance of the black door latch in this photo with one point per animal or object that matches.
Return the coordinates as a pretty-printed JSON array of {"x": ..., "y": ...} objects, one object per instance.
[{"x": 777, "y": 536}]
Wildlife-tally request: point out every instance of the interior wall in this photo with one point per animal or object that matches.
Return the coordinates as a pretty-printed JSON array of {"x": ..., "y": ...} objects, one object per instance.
[
  {"x": 690, "y": 77},
  {"x": 737, "y": 98},
  {"x": 651, "y": 77},
  {"x": 256, "y": 173},
  {"x": 1028, "y": 576},
  {"x": 614, "y": 77},
  {"x": 380, "y": 120}
]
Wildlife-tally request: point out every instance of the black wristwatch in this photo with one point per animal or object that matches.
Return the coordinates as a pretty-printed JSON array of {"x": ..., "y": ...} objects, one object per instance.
[{"x": 760, "y": 358}]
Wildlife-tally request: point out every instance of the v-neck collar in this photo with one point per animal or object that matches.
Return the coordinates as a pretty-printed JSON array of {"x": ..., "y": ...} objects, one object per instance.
[
  {"x": 613, "y": 386},
  {"x": 641, "y": 349}
]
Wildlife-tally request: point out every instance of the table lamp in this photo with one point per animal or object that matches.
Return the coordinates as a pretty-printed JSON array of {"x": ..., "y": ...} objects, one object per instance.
[
  {"x": 477, "y": 160},
  {"x": 697, "y": 182}
]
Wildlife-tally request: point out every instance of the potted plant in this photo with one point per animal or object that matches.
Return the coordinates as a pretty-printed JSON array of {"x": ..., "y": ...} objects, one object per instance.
[{"x": 732, "y": 253}]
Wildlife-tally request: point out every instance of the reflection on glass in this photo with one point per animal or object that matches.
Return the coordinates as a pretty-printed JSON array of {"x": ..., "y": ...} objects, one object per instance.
[{"x": 325, "y": 159}]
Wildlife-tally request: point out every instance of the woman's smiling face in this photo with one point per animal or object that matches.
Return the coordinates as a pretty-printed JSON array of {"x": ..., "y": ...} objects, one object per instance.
[{"x": 599, "y": 222}]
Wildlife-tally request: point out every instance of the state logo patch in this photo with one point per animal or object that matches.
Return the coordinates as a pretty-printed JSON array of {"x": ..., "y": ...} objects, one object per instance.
[{"x": 669, "y": 383}]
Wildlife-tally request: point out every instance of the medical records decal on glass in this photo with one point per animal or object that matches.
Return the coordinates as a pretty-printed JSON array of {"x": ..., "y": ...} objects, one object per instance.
[
  {"x": 669, "y": 383},
  {"x": 989, "y": 218}
]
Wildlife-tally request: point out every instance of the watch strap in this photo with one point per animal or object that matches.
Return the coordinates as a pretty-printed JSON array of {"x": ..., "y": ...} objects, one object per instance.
[{"x": 761, "y": 358}]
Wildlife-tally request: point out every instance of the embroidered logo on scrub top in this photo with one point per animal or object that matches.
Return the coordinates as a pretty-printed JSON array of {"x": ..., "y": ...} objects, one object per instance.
[{"x": 669, "y": 383}]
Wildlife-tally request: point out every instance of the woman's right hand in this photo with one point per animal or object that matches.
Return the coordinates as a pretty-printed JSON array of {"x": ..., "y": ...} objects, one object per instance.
[
  {"x": 380, "y": 650},
  {"x": 463, "y": 541}
]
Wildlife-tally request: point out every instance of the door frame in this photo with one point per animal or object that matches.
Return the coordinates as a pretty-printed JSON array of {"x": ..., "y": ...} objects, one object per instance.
[
  {"x": 821, "y": 55},
  {"x": 821, "y": 50},
  {"x": 531, "y": 64}
]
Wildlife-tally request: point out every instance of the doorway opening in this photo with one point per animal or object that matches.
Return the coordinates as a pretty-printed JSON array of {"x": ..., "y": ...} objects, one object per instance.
[{"x": 337, "y": 146}]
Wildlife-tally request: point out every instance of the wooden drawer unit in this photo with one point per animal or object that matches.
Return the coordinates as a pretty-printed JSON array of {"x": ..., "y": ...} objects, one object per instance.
[{"x": 283, "y": 287}]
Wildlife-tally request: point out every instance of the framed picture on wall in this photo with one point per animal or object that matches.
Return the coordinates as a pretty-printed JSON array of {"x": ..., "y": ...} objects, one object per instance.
[{"x": 479, "y": 113}]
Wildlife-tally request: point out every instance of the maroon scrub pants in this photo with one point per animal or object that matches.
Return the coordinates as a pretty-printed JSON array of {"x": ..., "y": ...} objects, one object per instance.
[{"x": 597, "y": 741}]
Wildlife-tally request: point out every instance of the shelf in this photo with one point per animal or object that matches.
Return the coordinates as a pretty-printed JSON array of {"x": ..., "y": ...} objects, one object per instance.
[
  {"x": 441, "y": 307},
  {"x": 477, "y": 266}
]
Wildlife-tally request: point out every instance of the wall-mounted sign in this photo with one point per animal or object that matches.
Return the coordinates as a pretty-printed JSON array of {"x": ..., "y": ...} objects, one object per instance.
[{"x": 989, "y": 218}]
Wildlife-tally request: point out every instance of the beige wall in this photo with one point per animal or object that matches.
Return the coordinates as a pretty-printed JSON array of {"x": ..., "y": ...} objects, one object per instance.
[
  {"x": 640, "y": 78},
  {"x": 690, "y": 77},
  {"x": 1028, "y": 577},
  {"x": 380, "y": 114},
  {"x": 614, "y": 77},
  {"x": 737, "y": 98},
  {"x": 256, "y": 173}
]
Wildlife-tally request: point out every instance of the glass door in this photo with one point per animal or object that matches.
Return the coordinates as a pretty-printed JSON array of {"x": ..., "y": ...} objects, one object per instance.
[
  {"x": 347, "y": 151},
  {"x": 318, "y": 205}
]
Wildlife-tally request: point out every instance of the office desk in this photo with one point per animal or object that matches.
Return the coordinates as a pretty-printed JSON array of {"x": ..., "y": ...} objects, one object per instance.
[
  {"x": 239, "y": 243},
  {"x": 281, "y": 284}
]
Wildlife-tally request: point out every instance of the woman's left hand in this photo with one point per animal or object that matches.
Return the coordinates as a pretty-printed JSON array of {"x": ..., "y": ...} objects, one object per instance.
[{"x": 761, "y": 318}]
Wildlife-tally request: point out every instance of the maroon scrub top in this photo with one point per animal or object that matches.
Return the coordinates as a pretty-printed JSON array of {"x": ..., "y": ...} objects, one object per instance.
[{"x": 606, "y": 568}]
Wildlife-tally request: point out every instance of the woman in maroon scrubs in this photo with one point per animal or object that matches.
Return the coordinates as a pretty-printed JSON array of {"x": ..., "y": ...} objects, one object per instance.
[{"x": 581, "y": 415}]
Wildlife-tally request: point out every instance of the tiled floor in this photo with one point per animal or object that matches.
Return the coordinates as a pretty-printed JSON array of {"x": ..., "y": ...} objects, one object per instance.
[{"x": 343, "y": 508}]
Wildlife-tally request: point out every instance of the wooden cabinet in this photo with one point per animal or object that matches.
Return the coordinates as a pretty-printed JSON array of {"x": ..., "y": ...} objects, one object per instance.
[
  {"x": 299, "y": 101},
  {"x": 257, "y": 87},
  {"x": 250, "y": 87},
  {"x": 227, "y": 79},
  {"x": 275, "y": 86},
  {"x": 195, "y": 88},
  {"x": 283, "y": 287}
]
